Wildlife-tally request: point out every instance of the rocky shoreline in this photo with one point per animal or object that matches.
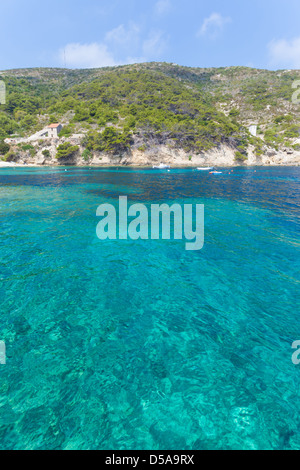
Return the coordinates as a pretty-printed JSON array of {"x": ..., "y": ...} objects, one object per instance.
[{"x": 223, "y": 156}]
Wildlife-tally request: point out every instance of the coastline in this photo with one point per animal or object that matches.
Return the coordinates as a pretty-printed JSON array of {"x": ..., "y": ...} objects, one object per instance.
[
  {"x": 140, "y": 167},
  {"x": 223, "y": 156}
]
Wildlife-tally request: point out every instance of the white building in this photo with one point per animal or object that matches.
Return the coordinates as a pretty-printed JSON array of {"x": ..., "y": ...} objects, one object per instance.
[
  {"x": 49, "y": 132},
  {"x": 253, "y": 130},
  {"x": 54, "y": 130}
]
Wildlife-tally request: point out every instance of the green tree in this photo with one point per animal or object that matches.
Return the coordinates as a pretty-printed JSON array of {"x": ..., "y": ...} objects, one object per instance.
[
  {"x": 86, "y": 155},
  {"x": 66, "y": 150},
  {"x": 239, "y": 157},
  {"x": 46, "y": 153},
  {"x": 4, "y": 148}
]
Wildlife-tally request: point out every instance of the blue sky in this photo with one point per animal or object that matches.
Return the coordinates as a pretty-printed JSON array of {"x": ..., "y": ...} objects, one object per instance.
[{"x": 96, "y": 33}]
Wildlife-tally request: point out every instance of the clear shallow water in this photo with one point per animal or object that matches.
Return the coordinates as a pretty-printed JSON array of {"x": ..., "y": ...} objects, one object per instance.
[{"x": 143, "y": 345}]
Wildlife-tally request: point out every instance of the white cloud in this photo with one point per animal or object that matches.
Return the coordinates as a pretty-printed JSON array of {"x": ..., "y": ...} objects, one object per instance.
[
  {"x": 86, "y": 55},
  {"x": 122, "y": 36},
  {"x": 213, "y": 25},
  {"x": 162, "y": 7},
  {"x": 285, "y": 53},
  {"x": 121, "y": 45},
  {"x": 155, "y": 45}
]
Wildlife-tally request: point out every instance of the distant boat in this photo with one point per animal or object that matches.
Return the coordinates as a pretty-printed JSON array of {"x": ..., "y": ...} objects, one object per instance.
[
  {"x": 162, "y": 166},
  {"x": 215, "y": 172},
  {"x": 205, "y": 169}
]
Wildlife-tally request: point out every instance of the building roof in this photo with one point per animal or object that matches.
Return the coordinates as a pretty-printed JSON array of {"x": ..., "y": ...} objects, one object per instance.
[{"x": 54, "y": 126}]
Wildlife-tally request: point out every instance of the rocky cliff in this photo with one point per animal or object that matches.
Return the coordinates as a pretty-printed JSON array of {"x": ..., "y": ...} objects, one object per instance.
[{"x": 223, "y": 156}]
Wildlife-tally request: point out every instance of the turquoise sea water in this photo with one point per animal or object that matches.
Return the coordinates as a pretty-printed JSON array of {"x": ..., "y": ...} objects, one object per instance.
[{"x": 143, "y": 345}]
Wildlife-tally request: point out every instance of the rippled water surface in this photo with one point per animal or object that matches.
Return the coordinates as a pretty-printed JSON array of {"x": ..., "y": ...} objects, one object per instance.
[{"x": 143, "y": 345}]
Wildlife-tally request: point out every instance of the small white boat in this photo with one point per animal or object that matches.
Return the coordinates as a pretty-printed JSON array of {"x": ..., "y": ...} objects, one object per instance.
[
  {"x": 206, "y": 169},
  {"x": 162, "y": 166}
]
